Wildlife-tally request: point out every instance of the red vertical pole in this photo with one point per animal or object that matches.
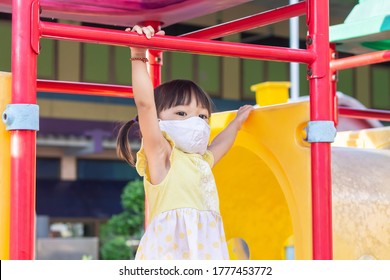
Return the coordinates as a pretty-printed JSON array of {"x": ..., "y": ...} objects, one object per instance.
[
  {"x": 321, "y": 104},
  {"x": 333, "y": 83},
  {"x": 155, "y": 64},
  {"x": 23, "y": 142}
]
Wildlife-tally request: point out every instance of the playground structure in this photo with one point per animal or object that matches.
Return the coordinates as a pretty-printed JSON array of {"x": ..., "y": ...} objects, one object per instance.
[
  {"x": 271, "y": 211},
  {"x": 305, "y": 198}
]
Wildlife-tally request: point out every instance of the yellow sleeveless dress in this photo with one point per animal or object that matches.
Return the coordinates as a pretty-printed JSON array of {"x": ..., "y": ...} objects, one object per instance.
[{"x": 184, "y": 218}]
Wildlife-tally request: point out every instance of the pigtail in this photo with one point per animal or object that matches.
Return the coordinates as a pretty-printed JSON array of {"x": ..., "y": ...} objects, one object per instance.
[{"x": 123, "y": 149}]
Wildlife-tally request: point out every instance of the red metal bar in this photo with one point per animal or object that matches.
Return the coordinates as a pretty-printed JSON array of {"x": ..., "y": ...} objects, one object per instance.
[
  {"x": 360, "y": 60},
  {"x": 173, "y": 43},
  {"x": 85, "y": 88},
  {"x": 23, "y": 142},
  {"x": 250, "y": 22},
  {"x": 321, "y": 105},
  {"x": 382, "y": 115}
]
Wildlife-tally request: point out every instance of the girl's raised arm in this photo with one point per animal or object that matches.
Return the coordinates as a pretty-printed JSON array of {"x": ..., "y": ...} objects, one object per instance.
[
  {"x": 225, "y": 139},
  {"x": 155, "y": 146}
]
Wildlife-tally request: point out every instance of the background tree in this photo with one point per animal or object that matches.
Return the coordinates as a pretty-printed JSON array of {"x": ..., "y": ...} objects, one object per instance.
[{"x": 116, "y": 235}]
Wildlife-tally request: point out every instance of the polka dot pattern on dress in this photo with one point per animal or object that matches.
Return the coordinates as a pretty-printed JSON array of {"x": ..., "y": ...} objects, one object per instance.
[{"x": 187, "y": 234}]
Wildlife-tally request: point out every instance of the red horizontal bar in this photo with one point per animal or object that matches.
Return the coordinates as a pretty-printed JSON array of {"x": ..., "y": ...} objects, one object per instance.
[
  {"x": 85, "y": 88},
  {"x": 365, "y": 113},
  {"x": 250, "y": 22},
  {"x": 172, "y": 43},
  {"x": 360, "y": 60}
]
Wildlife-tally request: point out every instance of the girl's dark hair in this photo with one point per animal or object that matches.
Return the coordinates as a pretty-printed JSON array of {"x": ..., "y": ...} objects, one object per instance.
[
  {"x": 166, "y": 95},
  {"x": 123, "y": 149}
]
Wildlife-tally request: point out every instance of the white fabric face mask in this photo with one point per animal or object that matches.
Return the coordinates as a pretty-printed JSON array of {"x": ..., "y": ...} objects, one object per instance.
[{"x": 190, "y": 135}]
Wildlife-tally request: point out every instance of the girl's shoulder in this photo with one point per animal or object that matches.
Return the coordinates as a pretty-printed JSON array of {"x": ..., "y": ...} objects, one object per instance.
[
  {"x": 141, "y": 161},
  {"x": 209, "y": 158}
]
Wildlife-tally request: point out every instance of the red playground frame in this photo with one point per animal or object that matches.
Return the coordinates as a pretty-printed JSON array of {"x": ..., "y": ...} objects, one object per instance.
[{"x": 27, "y": 29}]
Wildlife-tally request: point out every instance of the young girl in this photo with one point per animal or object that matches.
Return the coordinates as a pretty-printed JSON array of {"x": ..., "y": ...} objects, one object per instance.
[{"x": 175, "y": 161}]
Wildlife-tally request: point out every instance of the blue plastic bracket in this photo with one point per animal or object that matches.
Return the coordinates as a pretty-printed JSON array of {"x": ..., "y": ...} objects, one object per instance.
[
  {"x": 320, "y": 131},
  {"x": 21, "y": 117}
]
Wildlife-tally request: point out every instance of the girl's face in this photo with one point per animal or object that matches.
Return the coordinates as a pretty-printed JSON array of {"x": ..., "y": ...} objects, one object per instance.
[{"x": 182, "y": 112}]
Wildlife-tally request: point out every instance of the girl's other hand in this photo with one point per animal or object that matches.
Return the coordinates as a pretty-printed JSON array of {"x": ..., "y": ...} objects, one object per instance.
[
  {"x": 148, "y": 31},
  {"x": 242, "y": 114}
]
